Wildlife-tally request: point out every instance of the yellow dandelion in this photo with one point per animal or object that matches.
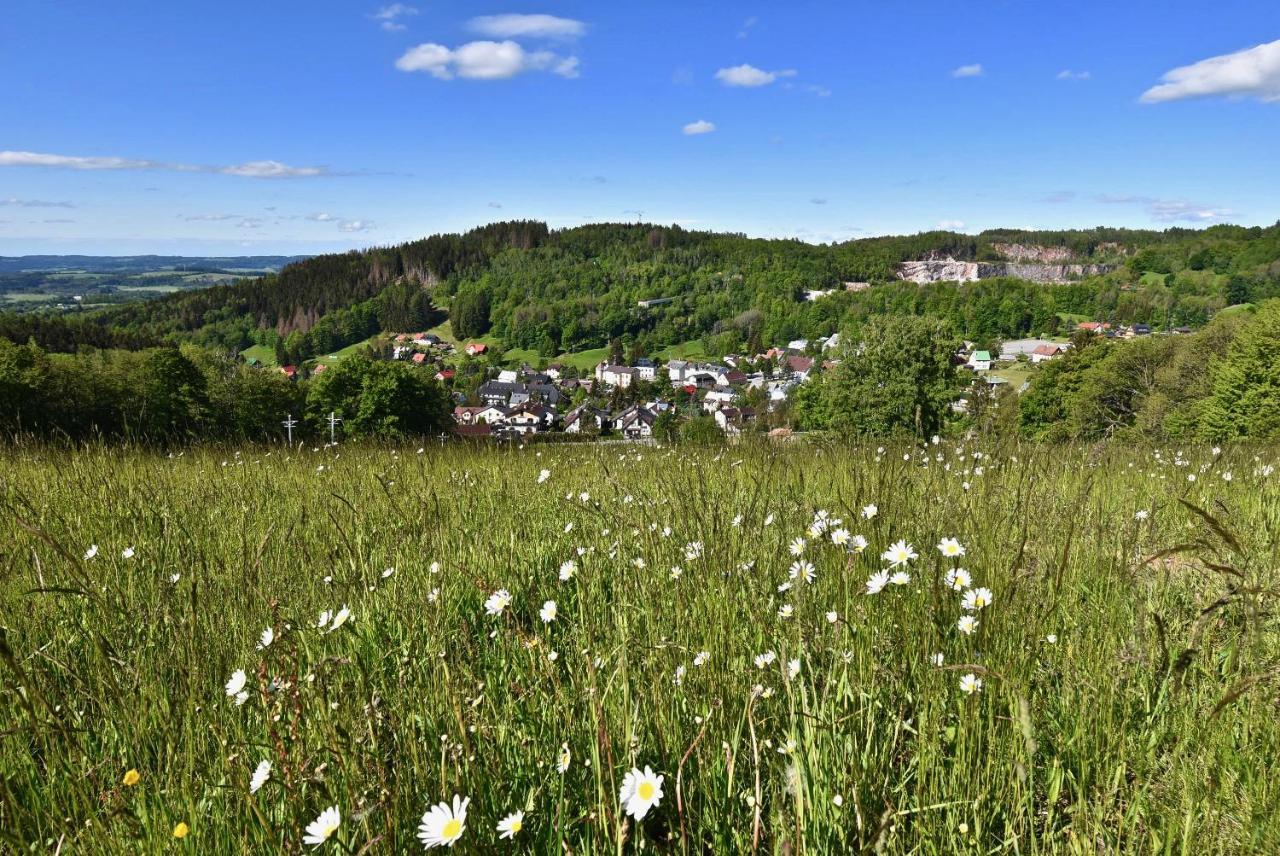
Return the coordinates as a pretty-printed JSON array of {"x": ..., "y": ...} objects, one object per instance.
[
  {"x": 131, "y": 778},
  {"x": 181, "y": 830}
]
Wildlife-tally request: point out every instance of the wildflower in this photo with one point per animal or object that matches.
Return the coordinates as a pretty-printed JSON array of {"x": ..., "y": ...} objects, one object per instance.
[
  {"x": 91, "y": 552},
  {"x": 131, "y": 778},
  {"x": 793, "y": 668},
  {"x": 388, "y": 572},
  {"x": 173, "y": 578},
  {"x": 127, "y": 554},
  {"x": 765, "y": 659},
  {"x": 833, "y": 617},
  {"x": 869, "y": 511},
  {"x": 802, "y": 568},
  {"x": 676, "y": 572},
  {"x": 950, "y": 548},
  {"x": 840, "y": 537},
  {"x": 857, "y": 544},
  {"x": 497, "y": 602},
  {"x": 899, "y": 553},
  {"x": 784, "y": 587},
  {"x": 340, "y": 618},
  {"x": 785, "y": 611},
  {"x": 180, "y": 831},
  {"x": 967, "y": 624},
  {"x": 901, "y": 578},
  {"x": 640, "y": 791},
  {"x": 323, "y": 827},
  {"x": 958, "y": 579},
  {"x": 797, "y": 546},
  {"x": 1052, "y": 639},
  {"x": 768, "y": 521},
  {"x": 268, "y": 636},
  {"x": 975, "y": 599},
  {"x": 692, "y": 550},
  {"x": 563, "y": 759},
  {"x": 260, "y": 775},
  {"x": 443, "y": 824},
  {"x": 567, "y": 570},
  {"x": 971, "y": 684},
  {"x": 937, "y": 660},
  {"x": 543, "y": 476},
  {"x": 877, "y": 581},
  {"x": 236, "y": 683},
  {"x": 510, "y": 826},
  {"x": 1142, "y": 514},
  {"x": 837, "y": 801},
  {"x": 548, "y": 612},
  {"x": 584, "y": 496},
  {"x": 788, "y": 748},
  {"x": 324, "y": 619},
  {"x": 701, "y": 657},
  {"x": 639, "y": 563},
  {"x": 678, "y": 679}
]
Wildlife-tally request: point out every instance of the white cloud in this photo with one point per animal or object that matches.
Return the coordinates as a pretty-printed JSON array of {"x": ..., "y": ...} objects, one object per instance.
[
  {"x": 321, "y": 217},
  {"x": 750, "y": 76},
  {"x": 34, "y": 203},
  {"x": 1068, "y": 74},
  {"x": 975, "y": 70},
  {"x": 702, "y": 126},
  {"x": 951, "y": 225},
  {"x": 484, "y": 60},
  {"x": 1252, "y": 72},
  {"x": 526, "y": 26},
  {"x": 252, "y": 169},
  {"x": 747, "y": 26},
  {"x": 209, "y": 218},
  {"x": 1170, "y": 210},
  {"x": 389, "y": 16},
  {"x": 355, "y": 226}
]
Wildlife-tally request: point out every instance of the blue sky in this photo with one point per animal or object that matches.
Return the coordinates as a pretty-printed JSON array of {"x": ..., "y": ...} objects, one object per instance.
[{"x": 300, "y": 127}]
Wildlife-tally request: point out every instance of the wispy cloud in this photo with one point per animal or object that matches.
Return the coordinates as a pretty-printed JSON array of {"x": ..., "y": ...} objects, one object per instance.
[
  {"x": 484, "y": 61},
  {"x": 527, "y": 26},
  {"x": 702, "y": 126},
  {"x": 388, "y": 17},
  {"x": 1068, "y": 74},
  {"x": 1058, "y": 197},
  {"x": 1253, "y": 72},
  {"x": 747, "y": 26},
  {"x": 251, "y": 169},
  {"x": 749, "y": 76},
  {"x": 355, "y": 225},
  {"x": 818, "y": 200},
  {"x": 974, "y": 70},
  {"x": 951, "y": 225},
  {"x": 321, "y": 217},
  {"x": 209, "y": 218},
  {"x": 1169, "y": 210},
  {"x": 34, "y": 203}
]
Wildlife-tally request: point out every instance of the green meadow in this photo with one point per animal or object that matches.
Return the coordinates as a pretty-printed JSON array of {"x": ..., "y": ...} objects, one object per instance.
[{"x": 1089, "y": 667}]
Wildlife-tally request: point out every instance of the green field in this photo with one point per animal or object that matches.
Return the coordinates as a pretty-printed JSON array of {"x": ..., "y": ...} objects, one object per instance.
[
  {"x": 333, "y": 357},
  {"x": 261, "y": 353},
  {"x": 1127, "y": 700}
]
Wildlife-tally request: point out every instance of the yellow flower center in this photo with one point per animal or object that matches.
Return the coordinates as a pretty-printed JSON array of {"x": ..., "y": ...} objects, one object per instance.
[
  {"x": 645, "y": 791},
  {"x": 180, "y": 831},
  {"x": 452, "y": 829},
  {"x": 516, "y": 826}
]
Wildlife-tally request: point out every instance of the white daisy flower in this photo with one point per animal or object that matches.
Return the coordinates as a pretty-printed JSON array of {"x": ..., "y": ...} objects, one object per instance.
[
  {"x": 640, "y": 792},
  {"x": 497, "y": 602},
  {"x": 443, "y": 824},
  {"x": 91, "y": 552},
  {"x": 563, "y": 759},
  {"x": 510, "y": 826},
  {"x": 950, "y": 548},
  {"x": 548, "y": 612},
  {"x": 869, "y": 511},
  {"x": 975, "y": 599},
  {"x": 877, "y": 581},
  {"x": 967, "y": 624},
  {"x": 899, "y": 553},
  {"x": 323, "y": 827},
  {"x": 701, "y": 657},
  {"x": 266, "y": 638},
  {"x": 260, "y": 775},
  {"x": 971, "y": 684},
  {"x": 236, "y": 683},
  {"x": 567, "y": 570},
  {"x": 958, "y": 579}
]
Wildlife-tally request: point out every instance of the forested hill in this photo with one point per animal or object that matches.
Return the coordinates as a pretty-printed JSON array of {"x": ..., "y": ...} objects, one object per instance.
[{"x": 566, "y": 290}]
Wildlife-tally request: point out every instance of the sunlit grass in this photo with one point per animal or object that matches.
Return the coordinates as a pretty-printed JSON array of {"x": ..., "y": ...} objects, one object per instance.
[{"x": 1098, "y": 726}]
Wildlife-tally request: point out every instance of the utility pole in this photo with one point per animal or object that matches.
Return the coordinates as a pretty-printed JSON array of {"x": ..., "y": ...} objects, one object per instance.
[
  {"x": 288, "y": 423},
  {"x": 334, "y": 419}
]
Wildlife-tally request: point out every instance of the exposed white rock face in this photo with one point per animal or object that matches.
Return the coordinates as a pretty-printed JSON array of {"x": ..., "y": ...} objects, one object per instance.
[
  {"x": 939, "y": 270},
  {"x": 1033, "y": 253},
  {"x": 951, "y": 270}
]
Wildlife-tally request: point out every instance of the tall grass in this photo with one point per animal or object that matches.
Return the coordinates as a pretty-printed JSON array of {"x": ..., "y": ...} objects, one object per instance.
[{"x": 1128, "y": 665}]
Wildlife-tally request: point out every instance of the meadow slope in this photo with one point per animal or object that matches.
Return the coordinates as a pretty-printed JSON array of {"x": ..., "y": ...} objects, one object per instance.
[{"x": 712, "y": 620}]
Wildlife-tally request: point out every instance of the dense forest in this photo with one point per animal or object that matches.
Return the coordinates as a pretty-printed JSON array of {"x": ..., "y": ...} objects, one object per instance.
[{"x": 559, "y": 291}]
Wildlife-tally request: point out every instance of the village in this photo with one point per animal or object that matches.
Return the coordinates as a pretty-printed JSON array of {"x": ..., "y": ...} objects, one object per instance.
[{"x": 637, "y": 399}]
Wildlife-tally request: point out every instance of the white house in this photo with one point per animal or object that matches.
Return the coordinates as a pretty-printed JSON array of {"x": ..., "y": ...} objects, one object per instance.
[{"x": 619, "y": 376}]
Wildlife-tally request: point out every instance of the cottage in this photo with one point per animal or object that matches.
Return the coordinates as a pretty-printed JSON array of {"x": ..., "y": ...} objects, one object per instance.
[
  {"x": 979, "y": 361},
  {"x": 617, "y": 376},
  {"x": 636, "y": 422},
  {"x": 474, "y": 349},
  {"x": 291, "y": 372},
  {"x": 1046, "y": 352},
  {"x": 585, "y": 418}
]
